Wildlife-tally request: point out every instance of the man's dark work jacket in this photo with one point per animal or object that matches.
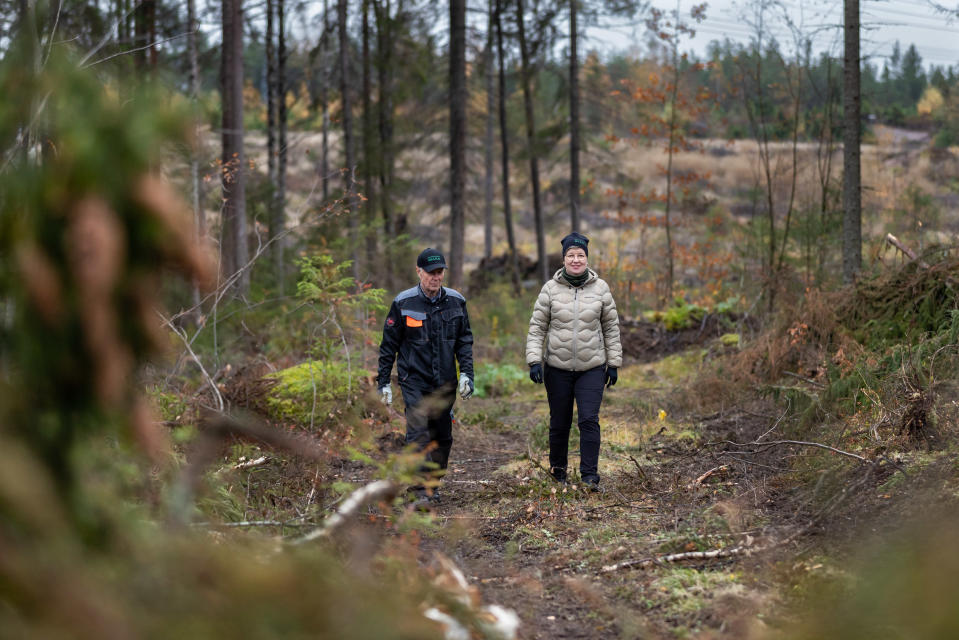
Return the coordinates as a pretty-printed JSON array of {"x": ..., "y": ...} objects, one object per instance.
[{"x": 426, "y": 339}]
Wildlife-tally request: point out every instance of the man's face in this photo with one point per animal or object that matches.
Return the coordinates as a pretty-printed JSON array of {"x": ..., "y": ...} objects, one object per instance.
[{"x": 431, "y": 281}]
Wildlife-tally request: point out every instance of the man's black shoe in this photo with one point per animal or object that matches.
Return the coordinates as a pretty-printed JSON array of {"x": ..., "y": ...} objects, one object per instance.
[
  {"x": 423, "y": 499},
  {"x": 558, "y": 474}
]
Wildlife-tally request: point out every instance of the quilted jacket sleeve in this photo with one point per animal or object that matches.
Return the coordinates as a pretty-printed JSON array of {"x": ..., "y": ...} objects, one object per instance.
[
  {"x": 610, "y": 322},
  {"x": 538, "y": 326}
]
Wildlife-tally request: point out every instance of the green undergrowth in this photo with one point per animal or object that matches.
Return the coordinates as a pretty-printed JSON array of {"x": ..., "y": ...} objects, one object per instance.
[
  {"x": 684, "y": 591},
  {"x": 310, "y": 392},
  {"x": 492, "y": 379},
  {"x": 686, "y": 315},
  {"x": 902, "y": 305}
]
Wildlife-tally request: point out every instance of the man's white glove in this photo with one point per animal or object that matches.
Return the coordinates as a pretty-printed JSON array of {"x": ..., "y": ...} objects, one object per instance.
[
  {"x": 386, "y": 394},
  {"x": 466, "y": 386}
]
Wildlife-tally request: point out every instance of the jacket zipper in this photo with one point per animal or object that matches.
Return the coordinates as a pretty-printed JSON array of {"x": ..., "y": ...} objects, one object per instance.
[{"x": 575, "y": 326}]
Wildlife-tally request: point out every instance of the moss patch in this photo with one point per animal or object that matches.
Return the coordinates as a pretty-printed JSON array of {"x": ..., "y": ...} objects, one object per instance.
[{"x": 308, "y": 392}]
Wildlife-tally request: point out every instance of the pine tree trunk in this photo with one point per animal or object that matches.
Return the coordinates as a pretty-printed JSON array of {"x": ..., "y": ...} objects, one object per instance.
[
  {"x": 369, "y": 204},
  {"x": 199, "y": 217},
  {"x": 670, "y": 267},
  {"x": 152, "y": 53},
  {"x": 457, "y": 138},
  {"x": 489, "y": 139},
  {"x": 233, "y": 241},
  {"x": 851, "y": 179},
  {"x": 271, "y": 104},
  {"x": 384, "y": 61},
  {"x": 120, "y": 17},
  {"x": 348, "y": 187},
  {"x": 140, "y": 34},
  {"x": 504, "y": 149},
  {"x": 325, "y": 104},
  {"x": 574, "y": 199},
  {"x": 278, "y": 219},
  {"x": 527, "y": 73}
]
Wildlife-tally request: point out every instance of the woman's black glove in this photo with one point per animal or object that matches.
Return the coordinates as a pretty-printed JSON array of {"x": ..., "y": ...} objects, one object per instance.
[
  {"x": 611, "y": 376},
  {"x": 536, "y": 373}
]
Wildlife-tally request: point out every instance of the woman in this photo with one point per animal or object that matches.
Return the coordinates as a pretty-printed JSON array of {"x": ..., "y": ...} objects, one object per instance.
[{"x": 573, "y": 346}]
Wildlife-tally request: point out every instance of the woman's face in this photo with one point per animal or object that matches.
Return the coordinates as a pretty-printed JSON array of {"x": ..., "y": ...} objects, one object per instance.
[{"x": 575, "y": 261}]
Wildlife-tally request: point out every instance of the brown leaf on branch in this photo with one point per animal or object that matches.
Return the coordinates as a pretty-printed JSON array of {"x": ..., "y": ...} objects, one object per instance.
[{"x": 168, "y": 208}]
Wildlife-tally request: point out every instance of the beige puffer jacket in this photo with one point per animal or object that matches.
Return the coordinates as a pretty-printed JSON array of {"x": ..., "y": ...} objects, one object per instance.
[{"x": 579, "y": 326}]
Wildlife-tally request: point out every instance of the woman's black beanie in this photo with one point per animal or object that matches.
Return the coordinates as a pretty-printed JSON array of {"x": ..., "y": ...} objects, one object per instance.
[{"x": 575, "y": 240}]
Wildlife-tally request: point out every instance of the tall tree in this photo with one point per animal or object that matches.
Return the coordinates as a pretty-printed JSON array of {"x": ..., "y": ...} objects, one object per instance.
[
  {"x": 913, "y": 78},
  {"x": 574, "y": 200},
  {"x": 672, "y": 128},
  {"x": 278, "y": 217},
  {"x": 233, "y": 249},
  {"x": 825, "y": 150},
  {"x": 144, "y": 53},
  {"x": 504, "y": 147},
  {"x": 526, "y": 72},
  {"x": 489, "y": 138},
  {"x": 851, "y": 179},
  {"x": 271, "y": 103},
  {"x": 199, "y": 217},
  {"x": 369, "y": 202},
  {"x": 347, "y": 117},
  {"x": 325, "y": 103},
  {"x": 457, "y": 137},
  {"x": 385, "y": 43}
]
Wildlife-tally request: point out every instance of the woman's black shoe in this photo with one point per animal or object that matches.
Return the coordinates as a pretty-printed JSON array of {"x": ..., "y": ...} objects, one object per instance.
[{"x": 591, "y": 483}]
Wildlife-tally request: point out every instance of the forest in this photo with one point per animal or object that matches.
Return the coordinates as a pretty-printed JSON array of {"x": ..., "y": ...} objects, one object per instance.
[{"x": 211, "y": 214}]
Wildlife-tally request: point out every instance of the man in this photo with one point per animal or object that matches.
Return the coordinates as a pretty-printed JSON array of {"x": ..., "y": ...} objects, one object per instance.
[{"x": 428, "y": 328}]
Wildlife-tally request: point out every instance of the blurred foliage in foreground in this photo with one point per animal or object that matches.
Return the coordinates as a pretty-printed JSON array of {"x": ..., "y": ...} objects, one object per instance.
[{"x": 87, "y": 230}]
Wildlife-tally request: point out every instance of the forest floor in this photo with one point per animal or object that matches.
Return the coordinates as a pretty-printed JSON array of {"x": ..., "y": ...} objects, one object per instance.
[
  {"x": 734, "y": 505},
  {"x": 663, "y": 550}
]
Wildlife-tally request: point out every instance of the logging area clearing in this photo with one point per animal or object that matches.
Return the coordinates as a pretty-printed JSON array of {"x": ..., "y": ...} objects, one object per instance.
[{"x": 741, "y": 490}]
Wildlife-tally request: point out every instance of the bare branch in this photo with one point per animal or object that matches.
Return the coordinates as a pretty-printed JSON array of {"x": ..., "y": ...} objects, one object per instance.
[
  {"x": 379, "y": 490},
  {"x": 182, "y": 335},
  {"x": 251, "y": 523},
  {"x": 784, "y": 442},
  {"x": 909, "y": 253},
  {"x": 249, "y": 464},
  {"x": 689, "y": 555},
  {"x": 129, "y": 51},
  {"x": 804, "y": 379}
]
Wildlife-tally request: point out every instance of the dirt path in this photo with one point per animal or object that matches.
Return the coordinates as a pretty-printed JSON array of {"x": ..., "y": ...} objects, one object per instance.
[
  {"x": 540, "y": 548},
  {"x": 486, "y": 546}
]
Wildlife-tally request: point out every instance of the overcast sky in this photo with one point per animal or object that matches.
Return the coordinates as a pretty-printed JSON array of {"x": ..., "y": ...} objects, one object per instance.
[{"x": 935, "y": 35}]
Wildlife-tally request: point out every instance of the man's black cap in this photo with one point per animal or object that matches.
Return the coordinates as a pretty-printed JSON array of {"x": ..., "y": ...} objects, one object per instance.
[{"x": 431, "y": 260}]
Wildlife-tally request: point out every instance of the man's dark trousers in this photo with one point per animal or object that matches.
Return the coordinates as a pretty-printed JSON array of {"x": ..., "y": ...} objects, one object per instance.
[
  {"x": 586, "y": 388},
  {"x": 429, "y": 419}
]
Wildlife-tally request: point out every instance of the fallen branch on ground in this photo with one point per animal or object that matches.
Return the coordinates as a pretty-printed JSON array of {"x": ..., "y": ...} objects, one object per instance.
[
  {"x": 639, "y": 470},
  {"x": 748, "y": 548},
  {"x": 529, "y": 452},
  {"x": 689, "y": 555},
  {"x": 702, "y": 478},
  {"x": 894, "y": 241},
  {"x": 219, "y": 428},
  {"x": 795, "y": 442},
  {"x": 375, "y": 491},
  {"x": 249, "y": 464},
  {"x": 251, "y": 523}
]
